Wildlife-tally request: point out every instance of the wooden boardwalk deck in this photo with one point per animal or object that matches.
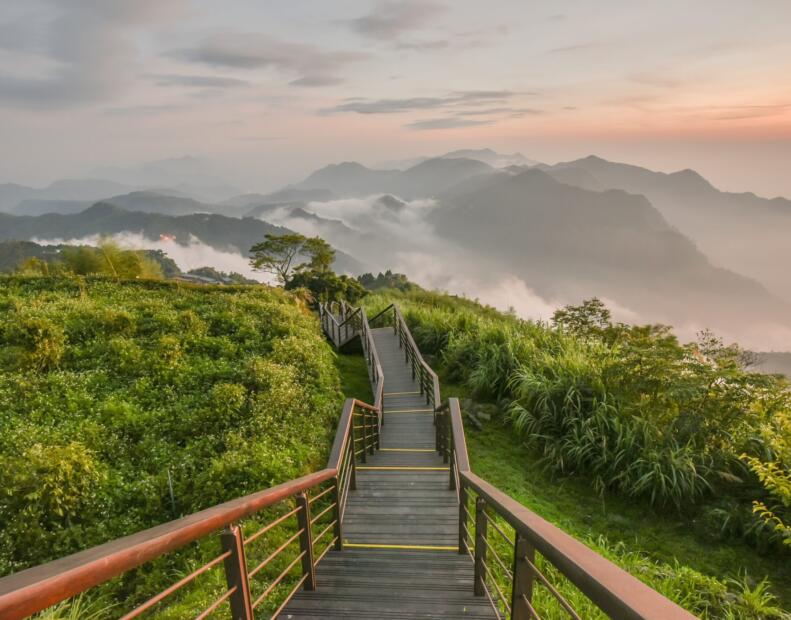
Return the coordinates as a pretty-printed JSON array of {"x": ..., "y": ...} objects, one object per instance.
[{"x": 400, "y": 557}]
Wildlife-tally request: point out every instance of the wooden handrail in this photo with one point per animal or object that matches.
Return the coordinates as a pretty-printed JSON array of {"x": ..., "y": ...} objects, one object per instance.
[
  {"x": 402, "y": 327},
  {"x": 381, "y": 312},
  {"x": 612, "y": 589},
  {"x": 35, "y": 589}
]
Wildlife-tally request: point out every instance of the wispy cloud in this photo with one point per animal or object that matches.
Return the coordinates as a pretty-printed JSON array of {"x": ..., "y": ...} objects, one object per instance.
[
  {"x": 309, "y": 65},
  {"x": 91, "y": 47},
  {"x": 581, "y": 47},
  {"x": 451, "y": 122},
  {"x": 389, "y": 20},
  {"x": 197, "y": 81},
  {"x": 745, "y": 112},
  {"x": 503, "y": 111},
  {"x": 392, "y": 106}
]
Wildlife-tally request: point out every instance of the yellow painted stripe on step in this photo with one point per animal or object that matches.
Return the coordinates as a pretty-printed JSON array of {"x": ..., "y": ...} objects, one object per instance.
[
  {"x": 407, "y": 450},
  {"x": 400, "y": 468},
  {"x": 399, "y": 393},
  {"x": 409, "y": 547},
  {"x": 410, "y": 411}
]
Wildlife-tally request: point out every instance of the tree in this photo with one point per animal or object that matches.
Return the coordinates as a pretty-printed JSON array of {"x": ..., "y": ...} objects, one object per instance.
[
  {"x": 327, "y": 286},
  {"x": 279, "y": 255},
  {"x": 592, "y": 318}
]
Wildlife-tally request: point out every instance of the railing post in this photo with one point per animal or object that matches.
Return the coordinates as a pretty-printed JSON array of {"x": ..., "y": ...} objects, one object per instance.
[
  {"x": 463, "y": 538},
  {"x": 522, "y": 589},
  {"x": 365, "y": 436},
  {"x": 306, "y": 541},
  {"x": 338, "y": 529},
  {"x": 451, "y": 468},
  {"x": 352, "y": 457},
  {"x": 480, "y": 546},
  {"x": 374, "y": 426},
  {"x": 236, "y": 573},
  {"x": 447, "y": 442}
]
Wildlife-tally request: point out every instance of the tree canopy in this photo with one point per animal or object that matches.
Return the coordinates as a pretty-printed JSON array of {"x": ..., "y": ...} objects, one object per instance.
[{"x": 285, "y": 255}]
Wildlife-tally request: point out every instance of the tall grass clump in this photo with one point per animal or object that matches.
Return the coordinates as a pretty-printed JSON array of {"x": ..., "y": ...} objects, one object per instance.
[{"x": 628, "y": 406}]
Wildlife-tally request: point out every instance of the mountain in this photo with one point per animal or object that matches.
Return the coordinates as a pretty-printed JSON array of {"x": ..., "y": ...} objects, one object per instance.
[
  {"x": 424, "y": 180},
  {"x": 487, "y": 156},
  {"x": 227, "y": 234},
  {"x": 164, "y": 204},
  {"x": 189, "y": 175},
  {"x": 739, "y": 231},
  {"x": 350, "y": 179},
  {"x": 774, "y": 363},
  {"x": 84, "y": 190},
  {"x": 289, "y": 194},
  {"x": 35, "y": 206},
  {"x": 568, "y": 243}
]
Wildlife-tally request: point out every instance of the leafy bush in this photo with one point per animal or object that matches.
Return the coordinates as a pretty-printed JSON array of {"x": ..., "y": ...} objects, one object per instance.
[{"x": 107, "y": 389}]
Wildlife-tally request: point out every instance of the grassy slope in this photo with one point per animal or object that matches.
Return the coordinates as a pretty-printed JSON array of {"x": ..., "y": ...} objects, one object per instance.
[{"x": 574, "y": 506}]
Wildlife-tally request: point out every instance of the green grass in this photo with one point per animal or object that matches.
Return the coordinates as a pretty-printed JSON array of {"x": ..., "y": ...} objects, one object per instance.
[
  {"x": 573, "y": 505},
  {"x": 354, "y": 376}
]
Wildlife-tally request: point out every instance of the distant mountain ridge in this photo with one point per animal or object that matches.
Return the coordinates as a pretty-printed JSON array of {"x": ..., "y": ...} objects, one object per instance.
[
  {"x": 91, "y": 190},
  {"x": 568, "y": 243},
  {"x": 739, "y": 231},
  {"x": 426, "y": 179},
  {"x": 223, "y": 233},
  {"x": 485, "y": 155}
]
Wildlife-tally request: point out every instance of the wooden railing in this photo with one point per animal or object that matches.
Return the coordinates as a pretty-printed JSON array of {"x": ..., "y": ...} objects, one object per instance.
[
  {"x": 304, "y": 517},
  {"x": 339, "y": 321},
  {"x": 504, "y": 540},
  {"x": 351, "y": 322},
  {"x": 424, "y": 375}
]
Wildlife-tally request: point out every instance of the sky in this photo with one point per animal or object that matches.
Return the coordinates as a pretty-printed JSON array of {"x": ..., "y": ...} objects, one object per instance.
[{"x": 269, "y": 91}]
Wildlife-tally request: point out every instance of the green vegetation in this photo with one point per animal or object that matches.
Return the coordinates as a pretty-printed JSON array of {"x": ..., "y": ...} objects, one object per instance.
[
  {"x": 387, "y": 280},
  {"x": 107, "y": 259},
  {"x": 626, "y": 416},
  {"x": 304, "y": 263},
  {"x": 109, "y": 390}
]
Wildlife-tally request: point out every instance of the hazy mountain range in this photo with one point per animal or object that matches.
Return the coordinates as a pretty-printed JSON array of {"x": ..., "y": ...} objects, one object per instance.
[
  {"x": 743, "y": 232},
  {"x": 226, "y": 234},
  {"x": 661, "y": 247}
]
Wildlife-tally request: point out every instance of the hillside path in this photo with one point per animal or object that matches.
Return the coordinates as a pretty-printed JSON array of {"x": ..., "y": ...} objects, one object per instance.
[{"x": 400, "y": 557}]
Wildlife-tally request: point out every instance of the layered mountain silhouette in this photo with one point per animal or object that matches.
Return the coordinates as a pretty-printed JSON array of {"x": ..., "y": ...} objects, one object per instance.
[
  {"x": 426, "y": 179},
  {"x": 69, "y": 190},
  {"x": 223, "y": 233},
  {"x": 570, "y": 243},
  {"x": 487, "y": 156},
  {"x": 740, "y": 231}
]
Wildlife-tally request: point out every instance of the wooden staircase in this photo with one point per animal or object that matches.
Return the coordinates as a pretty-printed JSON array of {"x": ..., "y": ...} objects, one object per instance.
[{"x": 400, "y": 555}]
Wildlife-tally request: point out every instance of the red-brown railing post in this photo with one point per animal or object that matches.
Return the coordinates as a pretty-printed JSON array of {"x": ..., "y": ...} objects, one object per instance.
[
  {"x": 480, "y": 546},
  {"x": 338, "y": 513},
  {"x": 447, "y": 444},
  {"x": 365, "y": 437},
  {"x": 236, "y": 573},
  {"x": 522, "y": 592},
  {"x": 374, "y": 431},
  {"x": 463, "y": 538},
  {"x": 306, "y": 541}
]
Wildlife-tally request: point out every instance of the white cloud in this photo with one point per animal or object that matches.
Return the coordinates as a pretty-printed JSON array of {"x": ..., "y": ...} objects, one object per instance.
[{"x": 196, "y": 254}]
